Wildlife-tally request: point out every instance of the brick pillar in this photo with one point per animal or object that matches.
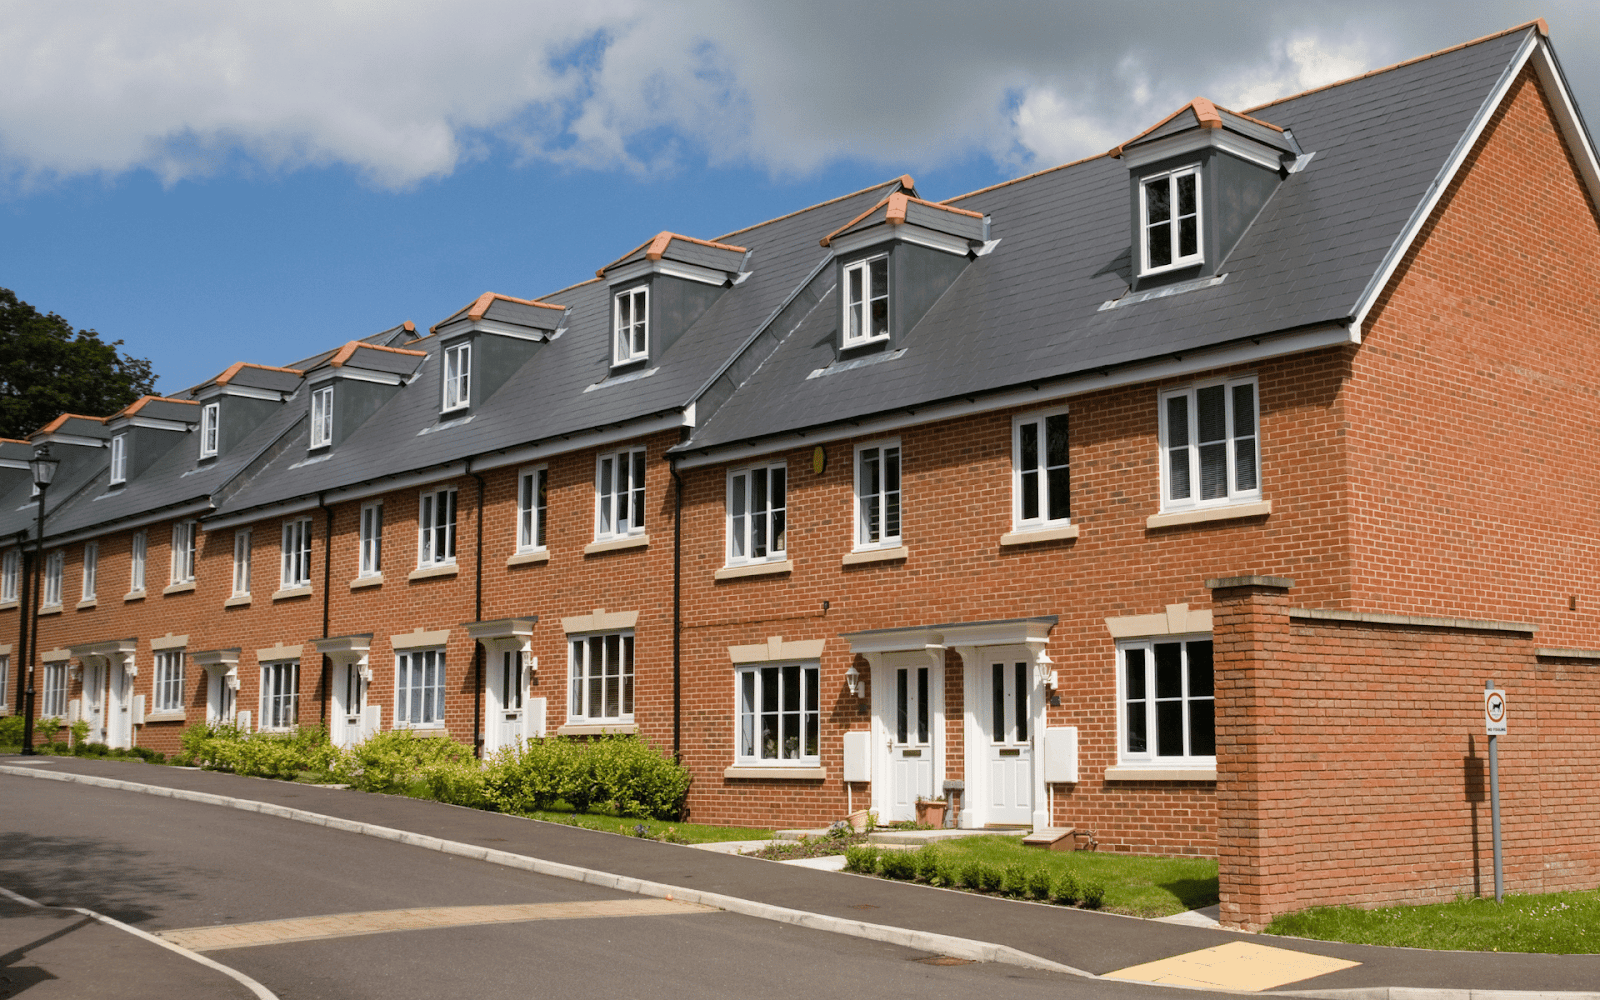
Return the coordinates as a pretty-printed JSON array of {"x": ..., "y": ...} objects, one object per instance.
[{"x": 1250, "y": 636}]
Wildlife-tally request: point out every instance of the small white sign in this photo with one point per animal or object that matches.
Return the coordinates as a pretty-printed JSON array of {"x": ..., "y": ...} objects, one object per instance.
[{"x": 1494, "y": 713}]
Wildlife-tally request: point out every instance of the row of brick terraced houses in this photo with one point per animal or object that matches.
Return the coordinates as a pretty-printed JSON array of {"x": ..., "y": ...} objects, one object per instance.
[{"x": 1188, "y": 494}]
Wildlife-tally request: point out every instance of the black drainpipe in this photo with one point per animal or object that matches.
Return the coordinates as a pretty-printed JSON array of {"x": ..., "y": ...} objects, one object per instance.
[
  {"x": 477, "y": 616},
  {"x": 327, "y": 575},
  {"x": 677, "y": 612},
  {"x": 23, "y": 660}
]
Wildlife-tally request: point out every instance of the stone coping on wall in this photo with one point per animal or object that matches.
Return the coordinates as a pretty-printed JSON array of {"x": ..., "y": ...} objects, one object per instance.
[
  {"x": 1417, "y": 621},
  {"x": 1556, "y": 653}
]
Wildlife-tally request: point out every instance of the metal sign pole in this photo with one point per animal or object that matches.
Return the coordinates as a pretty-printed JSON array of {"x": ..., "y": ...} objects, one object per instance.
[{"x": 1494, "y": 808}]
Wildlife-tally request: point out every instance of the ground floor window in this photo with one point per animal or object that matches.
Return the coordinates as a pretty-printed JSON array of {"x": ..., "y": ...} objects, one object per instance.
[
  {"x": 1167, "y": 702},
  {"x": 54, "y": 691},
  {"x": 169, "y": 681},
  {"x": 601, "y": 687},
  {"x": 280, "y": 694},
  {"x": 778, "y": 713},
  {"x": 419, "y": 688}
]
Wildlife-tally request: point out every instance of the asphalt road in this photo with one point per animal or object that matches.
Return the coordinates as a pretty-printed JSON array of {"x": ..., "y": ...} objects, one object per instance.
[{"x": 163, "y": 865}]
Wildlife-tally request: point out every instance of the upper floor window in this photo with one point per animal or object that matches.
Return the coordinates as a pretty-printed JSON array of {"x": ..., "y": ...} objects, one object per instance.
[
  {"x": 1208, "y": 434},
  {"x": 436, "y": 527},
  {"x": 878, "y": 495},
  {"x": 183, "y": 552},
  {"x": 866, "y": 300},
  {"x": 119, "y": 459},
  {"x": 371, "y": 539},
  {"x": 208, "y": 428},
  {"x": 533, "y": 493},
  {"x": 757, "y": 529},
  {"x": 53, "y": 566},
  {"x": 1170, "y": 218},
  {"x": 296, "y": 570},
  {"x": 241, "y": 562},
  {"x": 619, "y": 494},
  {"x": 136, "y": 553},
  {"x": 601, "y": 684},
  {"x": 322, "y": 417},
  {"x": 1040, "y": 477},
  {"x": 91, "y": 569},
  {"x": 457, "y": 375},
  {"x": 10, "y": 574},
  {"x": 632, "y": 324},
  {"x": 1167, "y": 700}
]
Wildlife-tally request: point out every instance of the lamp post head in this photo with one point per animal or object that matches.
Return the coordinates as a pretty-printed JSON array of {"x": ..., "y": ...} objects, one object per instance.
[{"x": 43, "y": 466}]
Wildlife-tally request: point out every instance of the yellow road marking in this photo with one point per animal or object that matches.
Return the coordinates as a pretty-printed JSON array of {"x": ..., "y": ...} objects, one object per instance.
[
  {"x": 1234, "y": 966},
  {"x": 335, "y": 925}
]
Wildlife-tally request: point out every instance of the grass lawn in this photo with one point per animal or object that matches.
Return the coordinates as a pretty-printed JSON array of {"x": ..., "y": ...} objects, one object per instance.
[
  {"x": 1561, "y": 923},
  {"x": 677, "y": 833},
  {"x": 1136, "y": 884}
]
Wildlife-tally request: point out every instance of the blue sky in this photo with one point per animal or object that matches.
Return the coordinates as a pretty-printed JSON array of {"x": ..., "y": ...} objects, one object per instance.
[{"x": 212, "y": 183}]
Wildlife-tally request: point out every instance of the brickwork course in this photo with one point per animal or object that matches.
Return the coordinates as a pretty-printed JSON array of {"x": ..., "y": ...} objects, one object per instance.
[{"x": 1403, "y": 326}]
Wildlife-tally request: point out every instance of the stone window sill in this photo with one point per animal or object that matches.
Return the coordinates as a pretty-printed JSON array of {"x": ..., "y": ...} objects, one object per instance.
[
  {"x": 430, "y": 572},
  {"x": 1033, "y": 536},
  {"x": 186, "y": 587},
  {"x": 1161, "y": 774},
  {"x": 1232, "y": 512},
  {"x": 52, "y": 609},
  {"x": 165, "y": 717},
  {"x": 754, "y": 569},
  {"x": 597, "y": 729},
  {"x": 288, "y": 592},
  {"x": 777, "y": 773},
  {"x": 439, "y": 731},
  {"x": 237, "y": 601},
  {"x": 617, "y": 544},
  {"x": 86, "y": 605},
  {"x": 876, "y": 555},
  {"x": 133, "y": 595},
  {"x": 375, "y": 580},
  {"x": 529, "y": 558},
  {"x": 8, "y": 605}
]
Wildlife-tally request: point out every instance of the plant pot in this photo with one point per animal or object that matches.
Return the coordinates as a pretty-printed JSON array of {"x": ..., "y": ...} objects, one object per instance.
[
  {"x": 858, "y": 820},
  {"x": 930, "y": 814}
]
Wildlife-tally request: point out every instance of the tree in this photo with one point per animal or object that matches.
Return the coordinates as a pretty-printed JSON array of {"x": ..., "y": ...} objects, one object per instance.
[{"x": 47, "y": 369}]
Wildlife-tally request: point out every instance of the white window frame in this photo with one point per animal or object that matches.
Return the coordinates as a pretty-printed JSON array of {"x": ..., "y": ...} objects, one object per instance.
[
  {"x": 879, "y": 502},
  {"x": 436, "y": 528},
  {"x": 295, "y": 562},
  {"x": 138, "y": 551},
  {"x": 863, "y": 267},
  {"x": 54, "y": 568},
  {"x": 53, "y": 691},
  {"x": 1150, "y": 757},
  {"x": 168, "y": 687},
  {"x": 1191, "y": 458},
  {"x": 5, "y": 679},
  {"x": 10, "y": 575},
  {"x": 800, "y": 726},
  {"x": 630, "y": 341},
  {"x": 91, "y": 570},
  {"x": 241, "y": 563},
  {"x": 1171, "y": 178},
  {"x": 321, "y": 417},
  {"x": 533, "y": 508},
  {"x": 1036, "y": 481},
  {"x": 457, "y": 388},
  {"x": 183, "y": 545},
  {"x": 745, "y": 528},
  {"x": 210, "y": 413},
  {"x": 278, "y": 708},
  {"x": 419, "y": 705},
  {"x": 119, "y": 459},
  {"x": 371, "y": 532},
  {"x": 591, "y": 658},
  {"x": 608, "y": 517}
]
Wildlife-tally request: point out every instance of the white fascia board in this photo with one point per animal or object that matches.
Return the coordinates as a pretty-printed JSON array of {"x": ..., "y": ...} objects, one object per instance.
[
  {"x": 1567, "y": 117},
  {"x": 354, "y": 375},
  {"x": 100, "y": 530},
  {"x": 907, "y": 232},
  {"x": 1441, "y": 182},
  {"x": 247, "y": 392},
  {"x": 155, "y": 423},
  {"x": 13, "y": 463},
  {"x": 541, "y": 450},
  {"x": 71, "y": 439},
  {"x": 673, "y": 268},
  {"x": 262, "y": 514},
  {"x": 1205, "y": 138},
  {"x": 1193, "y": 362},
  {"x": 497, "y": 327}
]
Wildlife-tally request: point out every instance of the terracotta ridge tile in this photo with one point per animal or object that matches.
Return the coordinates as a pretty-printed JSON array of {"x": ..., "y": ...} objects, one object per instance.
[
  {"x": 348, "y": 350},
  {"x": 63, "y": 418},
  {"x": 895, "y": 214},
  {"x": 239, "y": 366},
  {"x": 138, "y": 404}
]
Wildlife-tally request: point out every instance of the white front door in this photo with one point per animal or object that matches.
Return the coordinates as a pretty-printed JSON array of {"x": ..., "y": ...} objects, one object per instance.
[
  {"x": 508, "y": 687},
  {"x": 119, "y": 712},
  {"x": 219, "y": 699},
  {"x": 1007, "y": 719},
  {"x": 94, "y": 701},
  {"x": 349, "y": 704},
  {"x": 910, "y": 741}
]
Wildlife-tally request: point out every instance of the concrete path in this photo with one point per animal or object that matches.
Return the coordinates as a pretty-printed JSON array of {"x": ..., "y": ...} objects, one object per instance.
[{"x": 1097, "y": 943}]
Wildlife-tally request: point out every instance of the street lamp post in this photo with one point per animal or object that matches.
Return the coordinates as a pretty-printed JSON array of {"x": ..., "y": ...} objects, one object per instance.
[{"x": 44, "y": 472}]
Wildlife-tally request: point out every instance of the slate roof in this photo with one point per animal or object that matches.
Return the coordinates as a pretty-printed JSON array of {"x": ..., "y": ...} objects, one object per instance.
[{"x": 1031, "y": 310}]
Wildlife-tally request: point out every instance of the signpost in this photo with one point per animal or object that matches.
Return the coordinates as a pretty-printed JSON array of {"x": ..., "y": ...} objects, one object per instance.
[{"x": 1494, "y": 726}]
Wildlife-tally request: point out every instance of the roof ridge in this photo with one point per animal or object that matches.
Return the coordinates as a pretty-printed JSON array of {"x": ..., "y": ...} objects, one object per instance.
[
  {"x": 1540, "y": 23},
  {"x": 63, "y": 418},
  {"x": 904, "y": 180},
  {"x": 239, "y": 366},
  {"x": 346, "y": 352},
  {"x": 138, "y": 404},
  {"x": 1026, "y": 177}
]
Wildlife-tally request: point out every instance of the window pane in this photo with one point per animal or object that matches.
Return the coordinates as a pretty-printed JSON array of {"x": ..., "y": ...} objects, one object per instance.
[
  {"x": 1202, "y": 728},
  {"x": 922, "y": 704},
  {"x": 1200, "y": 673},
  {"x": 1244, "y": 463},
  {"x": 1169, "y": 670},
  {"x": 758, "y": 507},
  {"x": 1213, "y": 471},
  {"x": 1021, "y": 702},
  {"x": 1158, "y": 201},
  {"x": 638, "y": 489},
  {"x": 747, "y": 714},
  {"x": 1028, "y": 464},
  {"x": 1169, "y": 729},
  {"x": 1188, "y": 237},
  {"x": 594, "y": 664},
  {"x": 1060, "y": 487},
  {"x": 779, "y": 520},
  {"x": 811, "y": 722},
  {"x": 1186, "y": 202},
  {"x": 613, "y": 676},
  {"x": 606, "y": 498},
  {"x": 1178, "y": 453},
  {"x": 575, "y": 681},
  {"x": 997, "y": 698},
  {"x": 738, "y": 515},
  {"x": 870, "y": 488},
  {"x": 891, "y": 492},
  {"x": 1135, "y": 674},
  {"x": 769, "y": 713},
  {"x": 627, "y": 675},
  {"x": 1213, "y": 415},
  {"x": 902, "y": 710}
]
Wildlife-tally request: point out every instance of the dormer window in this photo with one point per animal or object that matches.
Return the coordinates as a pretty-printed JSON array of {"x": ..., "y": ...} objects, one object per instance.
[
  {"x": 322, "y": 417},
  {"x": 1171, "y": 210},
  {"x": 866, "y": 301},
  {"x": 208, "y": 429},
  {"x": 457, "y": 376},
  {"x": 632, "y": 323},
  {"x": 119, "y": 459}
]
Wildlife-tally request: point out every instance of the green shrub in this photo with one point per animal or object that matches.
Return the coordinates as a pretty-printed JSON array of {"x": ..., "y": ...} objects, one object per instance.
[
  {"x": 529, "y": 776},
  {"x": 989, "y": 878},
  {"x": 1066, "y": 890},
  {"x": 620, "y": 771},
  {"x": 1094, "y": 894},
  {"x": 900, "y": 865},
  {"x": 1014, "y": 879},
  {"x": 80, "y": 731},
  {"x": 1039, "y": 883},
  {"x": 862, "y": 858},
  {"x": 970, "y": 874},
  {"x": 636, "y": 778},
  {"x": 927, "y": 862},
  {"x": 194, "y": 740},
  {"x": 149, "y": 756},
  {"x": 948, "y": 874},
  {"x": 399, "y": 762}
]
